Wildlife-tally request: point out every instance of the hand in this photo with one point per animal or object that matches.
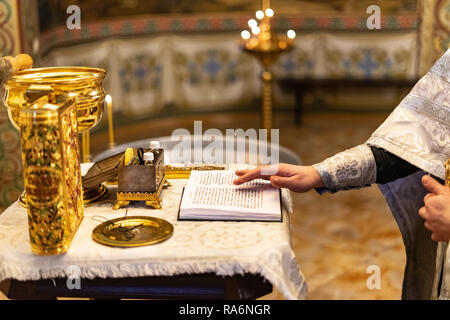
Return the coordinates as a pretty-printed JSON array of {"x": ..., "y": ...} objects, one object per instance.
[
  {"x": 294, "y": 178},
  {"x": 436, "y": 211}
]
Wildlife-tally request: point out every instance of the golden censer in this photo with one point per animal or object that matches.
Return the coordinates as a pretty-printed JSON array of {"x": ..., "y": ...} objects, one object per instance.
[{"x": 56, "y": 86}]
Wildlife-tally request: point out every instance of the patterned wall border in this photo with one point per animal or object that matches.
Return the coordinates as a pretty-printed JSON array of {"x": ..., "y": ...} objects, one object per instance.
[
  {"x": 11, "y": 179},
  {"x": 61, "y": 36},
  {"x": 10, "y": 42}
]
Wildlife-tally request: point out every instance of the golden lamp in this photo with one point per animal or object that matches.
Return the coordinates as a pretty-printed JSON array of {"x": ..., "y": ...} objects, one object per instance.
[{"x": 263, "y": 42}]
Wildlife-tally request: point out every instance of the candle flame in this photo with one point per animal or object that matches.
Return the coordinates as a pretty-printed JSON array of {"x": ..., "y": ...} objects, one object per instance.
[
  {"x": 269, "y": 12},
  {"x": 245, "y": 35},
  {"x": 252, "y": 23},
  {"x": 291, "y": 34},
  {"x": 259, "y": 14},
  {"x": 256, "y": 30}
]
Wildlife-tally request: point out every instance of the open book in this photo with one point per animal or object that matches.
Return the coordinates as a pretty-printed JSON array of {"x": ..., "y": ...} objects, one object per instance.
[{"x": 211, "y": 195}]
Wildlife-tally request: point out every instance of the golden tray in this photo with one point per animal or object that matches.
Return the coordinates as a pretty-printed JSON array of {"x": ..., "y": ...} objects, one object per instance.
[
  {"x": 184, "y": 171},
  {"x": 134, "y": 231}
]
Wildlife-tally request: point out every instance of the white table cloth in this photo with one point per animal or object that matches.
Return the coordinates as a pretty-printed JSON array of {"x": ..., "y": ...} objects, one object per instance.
[{"x": 223, "y": 248}]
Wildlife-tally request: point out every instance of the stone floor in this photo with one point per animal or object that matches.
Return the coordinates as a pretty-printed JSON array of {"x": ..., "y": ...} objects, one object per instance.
[{"x": 335, "y": 237}]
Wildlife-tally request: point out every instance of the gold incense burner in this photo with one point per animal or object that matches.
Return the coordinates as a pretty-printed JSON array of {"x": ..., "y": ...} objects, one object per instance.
[
  {"x": 55, "y": 86},
  {"x": 58, "y": 84}
]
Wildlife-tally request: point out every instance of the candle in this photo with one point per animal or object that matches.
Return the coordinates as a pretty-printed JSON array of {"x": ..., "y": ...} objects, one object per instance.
[
  {"x": 269, "y": 12},
  {"x": 108, "y": 100},
  {"x": 291, "y": 34},
  {"x": 256, "y": 30},
  {"x": 245, "y": 35},
  {"x": 252, "y": 23},
  {"x": 85, "y": 146},
  {"x": 259, "y": 14}
]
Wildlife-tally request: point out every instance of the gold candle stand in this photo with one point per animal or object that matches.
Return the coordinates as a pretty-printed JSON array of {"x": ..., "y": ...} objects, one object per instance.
[{"x": 263, "y": 43}]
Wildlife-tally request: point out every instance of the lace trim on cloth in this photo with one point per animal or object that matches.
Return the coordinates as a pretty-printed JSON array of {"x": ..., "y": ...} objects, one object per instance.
[
  {"x": 442, "y": 66},
  {"x": 353, "y": 168},
  {"x": 431, "y": 97},
  {"x": 438, "y": 111},
  {"x": 418, "y": 130},
  {"x": 195, "y": 266},
  {"x": 435, "y": 169}
]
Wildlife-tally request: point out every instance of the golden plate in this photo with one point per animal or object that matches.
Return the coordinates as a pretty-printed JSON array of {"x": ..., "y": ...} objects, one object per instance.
[
  {"x": 133, "y": 231},
  {"x": 93, "y": 195},
  {"x": 90, "y": 196}
]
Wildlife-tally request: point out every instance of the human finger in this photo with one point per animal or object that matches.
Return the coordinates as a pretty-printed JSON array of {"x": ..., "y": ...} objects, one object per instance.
[
  {"x": 423, "y": 213},
  {"x": 241, "y": 172},
  {"x": 433, "y": 186},
  {"x": 428, "y": 196},
  {"x": 438, "y": 237},
  {"x": 250, "y": 175},
  {"x": 428, "y": 225}
]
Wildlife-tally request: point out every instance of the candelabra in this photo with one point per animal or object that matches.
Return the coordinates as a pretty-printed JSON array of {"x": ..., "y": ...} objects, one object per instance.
[{"x": 264, "y": 43}]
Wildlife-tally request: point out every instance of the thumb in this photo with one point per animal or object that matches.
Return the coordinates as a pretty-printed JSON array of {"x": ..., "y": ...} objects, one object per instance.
[
  {"x": 280, "y": 182},
  {"x": 433, "y": 186}
]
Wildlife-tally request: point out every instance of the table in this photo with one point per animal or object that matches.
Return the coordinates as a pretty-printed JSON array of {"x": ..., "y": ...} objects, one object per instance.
[
  {"x": 218, "y": 260},
  {"x": 302, "y": 86}
]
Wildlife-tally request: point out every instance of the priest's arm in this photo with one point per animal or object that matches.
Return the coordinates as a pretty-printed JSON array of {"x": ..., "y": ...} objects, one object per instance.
[{"x": 357, "y": 167}]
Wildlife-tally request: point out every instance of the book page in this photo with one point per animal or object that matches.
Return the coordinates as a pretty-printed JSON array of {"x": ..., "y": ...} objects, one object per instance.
[{"x": 214, "y": 190}]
